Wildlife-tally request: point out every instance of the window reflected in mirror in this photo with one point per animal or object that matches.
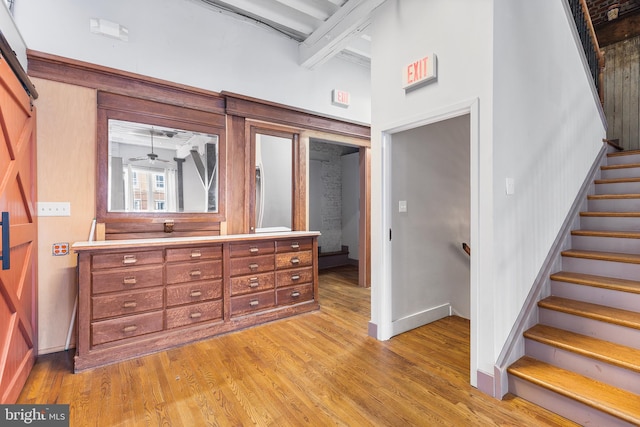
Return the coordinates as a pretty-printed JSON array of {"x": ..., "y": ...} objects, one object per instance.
[{"x": 160, "y": 169}]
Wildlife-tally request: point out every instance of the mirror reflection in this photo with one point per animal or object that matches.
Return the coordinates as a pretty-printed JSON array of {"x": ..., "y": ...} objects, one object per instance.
[
  {"x": 160, "y": 169},
  {"x": 274, "y": 172}
]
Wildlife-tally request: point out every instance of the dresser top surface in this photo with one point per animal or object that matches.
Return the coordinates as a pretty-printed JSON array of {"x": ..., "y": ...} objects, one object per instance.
[{"x": 179, "y": 241}]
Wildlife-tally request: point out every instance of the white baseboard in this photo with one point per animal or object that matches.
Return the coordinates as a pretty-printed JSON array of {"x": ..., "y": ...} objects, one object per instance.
[{"x": 420, "y": 319}]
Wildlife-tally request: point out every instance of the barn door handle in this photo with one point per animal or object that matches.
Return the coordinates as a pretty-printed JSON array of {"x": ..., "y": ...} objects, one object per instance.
[{"x": 5, "y": 241}]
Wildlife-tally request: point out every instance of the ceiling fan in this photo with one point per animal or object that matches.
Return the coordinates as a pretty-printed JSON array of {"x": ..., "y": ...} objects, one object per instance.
[{"x": 152, "y": 156}]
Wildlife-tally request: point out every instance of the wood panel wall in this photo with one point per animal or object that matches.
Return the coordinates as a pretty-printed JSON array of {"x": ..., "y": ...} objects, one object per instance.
[{"x": 621, "y": 92}]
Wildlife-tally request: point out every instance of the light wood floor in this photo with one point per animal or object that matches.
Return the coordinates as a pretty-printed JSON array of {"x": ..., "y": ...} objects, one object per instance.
[{"x": 317, "y": 369}]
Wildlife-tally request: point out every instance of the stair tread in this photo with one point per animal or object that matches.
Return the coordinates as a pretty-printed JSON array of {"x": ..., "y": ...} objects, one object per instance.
[
  {"x": 622, "y": 166},
  {"x": 594, "y": 348},
  {"x": 606, "y": 398},
  {"x": 613, "y": 196},
  {"x": 623, "y": 153},
  {"x": 603, "y": 256},
  {"x": 619, "y": 214},
  {"x": 612, "y": 283},
  {"x": 606, "y": 233},
  {"x": 616, "y": 316},
  {"x": 616, "y": 180}
]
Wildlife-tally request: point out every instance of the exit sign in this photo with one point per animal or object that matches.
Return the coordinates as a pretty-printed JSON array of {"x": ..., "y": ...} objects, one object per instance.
[
  {"x": 420, "y": 72},
  {"x": 340, "y": 98}
]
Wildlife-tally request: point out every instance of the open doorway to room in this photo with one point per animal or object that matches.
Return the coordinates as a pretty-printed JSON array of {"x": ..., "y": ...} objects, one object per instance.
[
  {"x": 334, "y": 196},
  {"x": 428, "y": 196}
]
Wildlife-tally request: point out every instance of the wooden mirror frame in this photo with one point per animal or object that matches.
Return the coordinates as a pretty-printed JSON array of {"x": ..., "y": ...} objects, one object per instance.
[{"x": 122, "y": 107}]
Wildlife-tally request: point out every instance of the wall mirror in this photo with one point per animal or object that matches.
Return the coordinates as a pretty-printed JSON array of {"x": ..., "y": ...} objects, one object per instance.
[
  {"x": 273, "y": 182},
  {"x": 161, "y": 169},
  {"x": 274, "y": 188},
  {"x": 159, "y": 164}
]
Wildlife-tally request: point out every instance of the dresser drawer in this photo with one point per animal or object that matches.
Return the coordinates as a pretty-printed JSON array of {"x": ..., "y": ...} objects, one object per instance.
[
  {"x": 294, "y": 294},
  {"x": 121, "y": 304},
  {"x": 293, "y": 259},
  {"x": 125, "y": 327},
  {"x": 294, "y": 245},
  {"x": 126, "y": 259},
  {"x": 126, "y": 279},
  {"x": 252, "y": 283},
  {"x": 252, "y": 265},
  {"x": 252, "y": 302},
  {"x": 191, "y": 271},
  {"x": 194, "y": 313},
  {"x": 294, "y": 276},
  {"x": 194, "y": 292},
  {"x": 194, "y": 254},
  {"x": 250, "y": 249}
]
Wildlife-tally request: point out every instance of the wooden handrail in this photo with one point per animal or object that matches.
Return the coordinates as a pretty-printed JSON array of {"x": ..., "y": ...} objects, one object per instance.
[{"x": 596, "y": 47}]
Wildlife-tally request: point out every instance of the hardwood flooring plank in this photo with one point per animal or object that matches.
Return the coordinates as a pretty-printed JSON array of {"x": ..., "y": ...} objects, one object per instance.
[{"x": 315, "y": 369}]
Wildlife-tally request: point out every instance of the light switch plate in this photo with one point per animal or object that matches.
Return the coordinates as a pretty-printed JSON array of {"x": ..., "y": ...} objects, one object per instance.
[
  {"x": 54, "y": 209},
  {"x": 402, "y": 206}
]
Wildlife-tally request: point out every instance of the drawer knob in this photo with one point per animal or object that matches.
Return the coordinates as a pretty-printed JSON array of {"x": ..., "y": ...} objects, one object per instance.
[
  {"x": 196, "y": 254},
  {"x": 253, "y": 285},
  {"x": 195, "y": 315},
  {"x": 253, "y": 267},
  {"x": 295, "y": 277},
  {"x": 129, "y": 259},
  {"x": 254, "y": 303},
  {"x": 195, "y": 273},
  {"x": 130, "y": 304},
  {"x": 129, "y": 281},
  {"x": 295, "y": 261},
  {"x": 295, "y": 294},
  {"x": 295, "y": 245},
  {"x": 131, "y": 328},
  {"x": 195, "y": 294},
  {"x": 254, "y": 250}
]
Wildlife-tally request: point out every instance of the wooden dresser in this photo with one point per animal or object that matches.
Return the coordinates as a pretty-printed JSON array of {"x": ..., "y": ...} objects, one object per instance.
[{"x": 137, "y": 297}]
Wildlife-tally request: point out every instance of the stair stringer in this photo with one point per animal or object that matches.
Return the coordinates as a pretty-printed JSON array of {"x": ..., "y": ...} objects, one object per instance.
[{"x": 514, "y": 347}]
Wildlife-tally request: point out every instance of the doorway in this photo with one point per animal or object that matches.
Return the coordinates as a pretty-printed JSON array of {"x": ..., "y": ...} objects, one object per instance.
[{"x": 388, "y": 317}]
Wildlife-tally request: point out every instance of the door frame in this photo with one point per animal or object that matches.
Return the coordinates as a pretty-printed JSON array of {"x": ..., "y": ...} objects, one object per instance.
[{"x": 381, "y": 300}]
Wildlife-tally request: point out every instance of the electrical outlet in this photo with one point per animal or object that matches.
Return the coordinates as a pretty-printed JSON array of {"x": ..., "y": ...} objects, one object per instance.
[
  {"x": 60, "y": 249},
  {"x": 54, "y": 209}
]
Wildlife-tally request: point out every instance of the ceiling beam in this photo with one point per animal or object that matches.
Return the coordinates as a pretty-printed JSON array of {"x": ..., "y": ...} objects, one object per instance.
[{"x": 336, "y": 32}]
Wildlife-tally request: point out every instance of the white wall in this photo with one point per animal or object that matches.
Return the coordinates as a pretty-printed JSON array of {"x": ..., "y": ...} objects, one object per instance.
[
  {"x": 12, "y": 34},
  {"x": 536, "y": 122},
  {"x": 186, "y": 42},
  {"x": 405, "y": 31}
]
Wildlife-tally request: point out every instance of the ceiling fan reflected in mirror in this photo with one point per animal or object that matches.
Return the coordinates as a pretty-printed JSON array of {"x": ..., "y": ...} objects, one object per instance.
[{"x": 152, "y": 156}]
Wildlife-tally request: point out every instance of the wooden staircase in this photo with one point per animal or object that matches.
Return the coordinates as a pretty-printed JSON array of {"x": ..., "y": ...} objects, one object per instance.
[{"x": 582, "y": 360}]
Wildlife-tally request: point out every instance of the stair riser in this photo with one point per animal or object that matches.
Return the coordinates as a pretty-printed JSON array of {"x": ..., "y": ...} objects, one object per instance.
[
  {"x": 593, "y": 328},
  {"x": 614, "y": 205},
  {"x": 618, "y": 188},
  {"x": 620, "y": 173},
  {"x": 618, "y": 270},
  {"x": 623, "y": 160},
  {"x": 614, "y": 375},
  {"x": 603, "y": 223},
  {"x": 568, "y": 408},
  {"x": 606, "y": 244},
  {"x": 608, "y": 297}
]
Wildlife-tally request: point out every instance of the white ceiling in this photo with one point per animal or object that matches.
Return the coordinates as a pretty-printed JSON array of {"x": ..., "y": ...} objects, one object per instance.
[{"x": 324, "y": 28}]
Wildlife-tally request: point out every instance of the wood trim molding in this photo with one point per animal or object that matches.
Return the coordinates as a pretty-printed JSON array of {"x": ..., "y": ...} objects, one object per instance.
[
  {"x": 256, "y": 109},
  {"x": 79, "y": 73}
]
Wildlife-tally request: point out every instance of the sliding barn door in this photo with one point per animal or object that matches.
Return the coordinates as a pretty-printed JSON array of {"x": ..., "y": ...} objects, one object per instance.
[{"x": 18, "y": 281}]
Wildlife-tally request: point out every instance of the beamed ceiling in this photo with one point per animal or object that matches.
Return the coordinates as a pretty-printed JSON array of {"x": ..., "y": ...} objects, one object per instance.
[{"x": 324, "y": 28}]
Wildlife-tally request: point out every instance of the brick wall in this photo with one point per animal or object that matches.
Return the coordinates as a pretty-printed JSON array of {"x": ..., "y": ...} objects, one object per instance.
[{"x": 598, "y": 9}]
